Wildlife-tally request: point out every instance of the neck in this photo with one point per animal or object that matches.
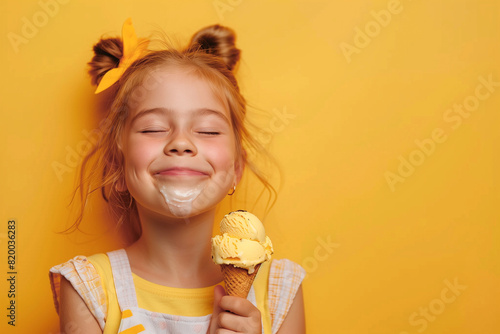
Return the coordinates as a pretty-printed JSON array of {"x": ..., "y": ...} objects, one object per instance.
[{"x": 175, "y": 252}]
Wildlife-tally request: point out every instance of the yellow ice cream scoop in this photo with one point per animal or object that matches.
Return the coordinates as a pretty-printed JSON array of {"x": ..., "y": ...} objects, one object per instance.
[
  {"x": 243, "y": 242},
  {"x": 243, "y": 224}
]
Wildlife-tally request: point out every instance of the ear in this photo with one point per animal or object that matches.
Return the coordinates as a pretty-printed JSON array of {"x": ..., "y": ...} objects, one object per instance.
[
  {"x": 239, "y": 166},
  {"x": 119, "y": 144},
  {"x": 121, "y": 185}
]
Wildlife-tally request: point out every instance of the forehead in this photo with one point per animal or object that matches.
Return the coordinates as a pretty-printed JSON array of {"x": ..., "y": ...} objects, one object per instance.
[{"x": 178, "y": 89}]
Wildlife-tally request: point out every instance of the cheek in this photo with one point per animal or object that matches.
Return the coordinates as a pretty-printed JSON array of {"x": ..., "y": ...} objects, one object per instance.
[
  {"x": 221, "y": 155},
  {"x": 138, "y": 153}
]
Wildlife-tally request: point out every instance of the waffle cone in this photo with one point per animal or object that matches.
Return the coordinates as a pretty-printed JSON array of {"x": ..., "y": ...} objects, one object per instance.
[{"x": 237, "y": 280}]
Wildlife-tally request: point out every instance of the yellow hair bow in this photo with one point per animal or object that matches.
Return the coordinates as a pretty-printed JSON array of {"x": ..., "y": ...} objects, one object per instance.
[{"x": 133, "y": 49}]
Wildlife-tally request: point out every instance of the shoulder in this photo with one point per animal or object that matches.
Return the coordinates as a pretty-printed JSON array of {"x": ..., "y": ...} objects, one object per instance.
[
  {"x": 285, "y": 279},
  {"x": 85, "y": 274},
  {"x": 286, "y": 271}
]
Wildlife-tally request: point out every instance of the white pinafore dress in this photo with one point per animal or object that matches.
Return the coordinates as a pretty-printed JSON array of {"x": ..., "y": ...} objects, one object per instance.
[{"x": 137, "y": 320}]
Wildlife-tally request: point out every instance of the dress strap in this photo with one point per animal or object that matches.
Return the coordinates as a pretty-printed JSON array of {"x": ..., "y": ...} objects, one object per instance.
[
  {"x": 261, "y": 295},
  {"x": 122, "y": 276}
]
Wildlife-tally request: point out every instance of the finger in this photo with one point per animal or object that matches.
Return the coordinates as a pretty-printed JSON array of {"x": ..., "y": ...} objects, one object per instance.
[
  {"x": 239, "y": 324},
  {"x": 219, "y": 292},
  {"x": 242, "y": 315},
  {"x": 232, "y": 322},
  {"x": 224, "y": 331},
  {"x": 239, "y": 306}
]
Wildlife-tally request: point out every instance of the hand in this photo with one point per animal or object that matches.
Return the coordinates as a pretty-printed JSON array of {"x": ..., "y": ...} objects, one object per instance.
[{"x": 233, "y": 315}]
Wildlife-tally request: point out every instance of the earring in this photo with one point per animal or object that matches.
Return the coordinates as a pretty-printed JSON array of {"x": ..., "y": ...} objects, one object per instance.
[{"x": 232, "y": 192}]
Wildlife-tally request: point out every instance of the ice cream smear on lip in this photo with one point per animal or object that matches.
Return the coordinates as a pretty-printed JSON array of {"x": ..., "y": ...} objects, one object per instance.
[
  {"x": 180, "y": 198},
  {"x": 242, "y": 242}
]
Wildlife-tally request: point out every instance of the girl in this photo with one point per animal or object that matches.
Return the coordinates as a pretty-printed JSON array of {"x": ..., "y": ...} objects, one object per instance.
[{"x": 173, "y": 146}]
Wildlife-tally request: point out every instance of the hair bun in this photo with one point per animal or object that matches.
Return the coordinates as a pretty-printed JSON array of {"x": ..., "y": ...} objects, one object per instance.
[
  {"x": 219, "y": 41},
  {"x": 107, "y": 55}
]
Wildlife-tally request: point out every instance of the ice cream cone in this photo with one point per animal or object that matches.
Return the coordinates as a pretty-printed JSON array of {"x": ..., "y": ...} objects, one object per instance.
[
  {"x": 237, "y": 280},
  {"x": 241, "y": 248}
]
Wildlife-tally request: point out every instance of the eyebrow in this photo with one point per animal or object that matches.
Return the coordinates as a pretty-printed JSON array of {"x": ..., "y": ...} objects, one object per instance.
[{"x": 197, "y": 112}]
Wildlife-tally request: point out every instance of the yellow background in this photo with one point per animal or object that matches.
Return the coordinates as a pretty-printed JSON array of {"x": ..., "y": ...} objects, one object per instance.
[{"x": 392, "y": 250}]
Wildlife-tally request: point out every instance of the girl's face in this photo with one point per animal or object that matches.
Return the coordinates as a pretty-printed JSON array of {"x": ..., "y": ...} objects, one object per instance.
[{"x": 179, "y": 146}]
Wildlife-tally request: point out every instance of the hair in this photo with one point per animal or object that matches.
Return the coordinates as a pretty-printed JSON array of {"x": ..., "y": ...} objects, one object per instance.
[{"x": 211, "y": 55}]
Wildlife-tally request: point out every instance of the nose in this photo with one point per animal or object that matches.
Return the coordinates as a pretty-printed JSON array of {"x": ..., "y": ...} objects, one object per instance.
[{"x": 180, "y": 144}]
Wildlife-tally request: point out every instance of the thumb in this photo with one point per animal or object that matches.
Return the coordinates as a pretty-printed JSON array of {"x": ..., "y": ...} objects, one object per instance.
[{"x": 219, "y": 292}]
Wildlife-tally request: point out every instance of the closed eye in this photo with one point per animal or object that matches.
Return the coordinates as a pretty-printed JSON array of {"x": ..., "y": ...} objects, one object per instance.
[
  {"x": 210, "y": 133},
  {"x": 151, "y": 131}
]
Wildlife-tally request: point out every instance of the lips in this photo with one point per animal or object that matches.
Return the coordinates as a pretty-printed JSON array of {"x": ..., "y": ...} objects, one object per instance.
[{"x": 181, "y": 171}]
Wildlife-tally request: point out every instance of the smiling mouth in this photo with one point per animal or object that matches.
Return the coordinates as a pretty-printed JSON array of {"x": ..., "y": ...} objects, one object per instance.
[{"x": 181, "y": 172}]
